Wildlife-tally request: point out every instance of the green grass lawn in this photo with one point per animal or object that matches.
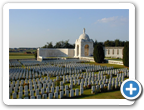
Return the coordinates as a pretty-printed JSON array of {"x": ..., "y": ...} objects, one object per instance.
[
  {"x": 108, "y": 65},
  {"x": 20, "y": 57},
  {"x": 105, "y": 95},
  {"x": 116, "y": 59},
  {"x": 20, "y": 54}
]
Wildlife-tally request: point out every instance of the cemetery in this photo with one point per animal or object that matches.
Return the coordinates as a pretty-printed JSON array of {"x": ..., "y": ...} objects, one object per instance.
[
  {"x": 64, "y": 73},
  {"x": 62, "y": 79}
]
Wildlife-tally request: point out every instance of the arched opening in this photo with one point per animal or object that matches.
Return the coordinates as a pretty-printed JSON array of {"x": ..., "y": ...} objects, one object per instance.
[
  {"x": 86, "y": 50},
  {"x": 77, "y": 50}
]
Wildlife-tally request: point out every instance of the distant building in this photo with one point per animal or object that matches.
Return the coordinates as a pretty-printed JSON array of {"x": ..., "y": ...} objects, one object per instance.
[
  {"x": 114, "y": 52},
  {"x": 28, "y": 53}
]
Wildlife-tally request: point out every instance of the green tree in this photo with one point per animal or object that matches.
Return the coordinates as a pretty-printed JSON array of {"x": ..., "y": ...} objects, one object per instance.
[
  {"x": 117, "y": 42},
  {"x": 107, "y": 43},
  {"x": 57, "y": 45},
  {"x": 49, "y": 45},
  {"x": 35, "y": 54},
  {"x": 98, "y": 53},
  {"x": 126, "y": 54},
  {"x": 64, "y": 44},
  {"x": 122, "y": 43},
  {"x": 45, "y": 46},
  {"x": 95, "y": 43},
  {"x": 112, "y": 43}
]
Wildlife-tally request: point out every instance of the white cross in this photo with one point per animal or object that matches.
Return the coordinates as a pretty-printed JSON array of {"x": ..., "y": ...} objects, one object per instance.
[{"x": 131, "y": 89}]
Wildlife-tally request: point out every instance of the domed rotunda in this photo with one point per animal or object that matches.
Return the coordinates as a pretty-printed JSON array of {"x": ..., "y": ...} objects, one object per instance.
[{"x": 83, "y": 46}]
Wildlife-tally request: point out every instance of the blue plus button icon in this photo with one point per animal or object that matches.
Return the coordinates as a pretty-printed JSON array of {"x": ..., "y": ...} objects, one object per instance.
[{"x": 130, "y": 89}]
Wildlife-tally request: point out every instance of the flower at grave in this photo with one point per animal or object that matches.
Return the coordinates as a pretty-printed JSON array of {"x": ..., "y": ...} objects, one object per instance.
[{"x": 89, "y": 86}]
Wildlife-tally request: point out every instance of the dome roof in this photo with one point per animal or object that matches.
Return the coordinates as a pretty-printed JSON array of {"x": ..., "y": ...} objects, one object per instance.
[{"x": 84, "y": 36}]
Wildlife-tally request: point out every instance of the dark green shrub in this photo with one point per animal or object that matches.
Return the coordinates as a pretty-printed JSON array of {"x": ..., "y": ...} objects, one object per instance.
[
  {"x": 126, "y": 54},
  {"x": 35, "y": 54},
  {"x": 98, "y": 53}
]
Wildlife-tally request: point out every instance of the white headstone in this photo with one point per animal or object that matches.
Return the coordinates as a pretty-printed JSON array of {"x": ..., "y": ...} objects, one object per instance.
[
  {"x": 47, "y": 90},
  {"x": 35, "y": 87},
  {"x": 15, "y": 89},
  {"x": 26, "y": 93},
  {"x": 37, "y": 91},
  {"x": 97, "y": 87},
  {"x": 44, "y": 96},
  {"x": 32, "y": 97},
  {"x": 67, "y": 93},
  {"x": 14, "y": 95},
  {"x": 20, "y": 95},
  {"x": 119, "y": 84},
  {"x": 61, "y": 94},
  {"x": 30, "y": 87},
  {"x": 81, "y": 91},
  {"x": 109, "y": 87},
  {"x": 40, "y": 86},
  {"x": 25, "y": 88},
  {"x": 61, "y": 88},
  {"x": 10, "y": 90},
  {"x": 66, "y": 87},
  {"x": 38, "y": 96},
  {"x": 70, "y": 86},
  {"x": 26, "y": 97},
  {"x": 92, "y": 89},
  {"x": 44, "y": 85},
  {"x": 76, "y": 92},
  {"x": 31, "y": 93},
  {"x": 57, "y": 88},
  {"x": 75, "y": 81},
  {"x": 50, "y": 95},
  {"x": 116, "y": 85},
  {"x": 56, "y": 95},
  {"x": 61, "y": 83},
  {"x": 42, "y": 91},
  {"x": 52, "y": 89},
  {"x": 85, "y": 84},
  {"x": 81, "y": 86},
  {"x": 78, "y": 82},
  {"x": 71, "y": 93}
]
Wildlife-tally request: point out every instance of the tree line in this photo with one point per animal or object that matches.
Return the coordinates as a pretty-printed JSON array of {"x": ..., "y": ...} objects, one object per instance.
[
  {"x": 66, "y": 44},
  {"x": 108, "y": 43},
  {"x": 60, "y": 44}
]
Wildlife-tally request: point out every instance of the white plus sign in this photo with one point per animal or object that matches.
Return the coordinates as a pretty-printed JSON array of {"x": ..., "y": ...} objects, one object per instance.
[{"x": 131, "y": 89}]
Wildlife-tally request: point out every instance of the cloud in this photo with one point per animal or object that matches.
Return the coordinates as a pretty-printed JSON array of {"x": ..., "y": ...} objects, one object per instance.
[
  {"x": 106, "y": 20},
  {"x": 113, "y": 21}
]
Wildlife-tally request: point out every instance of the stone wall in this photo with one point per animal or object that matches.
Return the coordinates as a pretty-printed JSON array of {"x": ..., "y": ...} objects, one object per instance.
[
  {"x": 55, "y": 52},
  {"x": 115, "y": 62}
]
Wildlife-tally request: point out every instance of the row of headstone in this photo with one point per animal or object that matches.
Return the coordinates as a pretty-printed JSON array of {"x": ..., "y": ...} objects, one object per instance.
[
  {"x": 118, "y": 72},
  {"x": 14, "y": 63},
  {"x": 108, "y": 87},
  {"x": 69, "y": 70},
  {"x": 50, "y": 95},
  {"x": 48, "y": 83}
]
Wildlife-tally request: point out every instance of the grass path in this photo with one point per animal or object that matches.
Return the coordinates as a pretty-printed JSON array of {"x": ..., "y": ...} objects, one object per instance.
[{"x": 20, "y": 57}]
